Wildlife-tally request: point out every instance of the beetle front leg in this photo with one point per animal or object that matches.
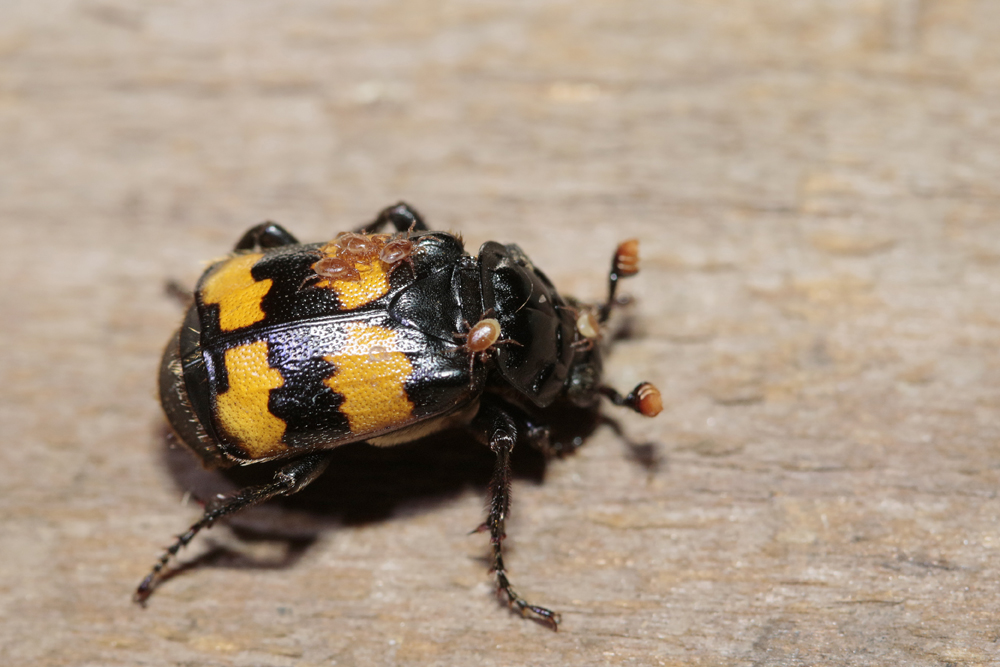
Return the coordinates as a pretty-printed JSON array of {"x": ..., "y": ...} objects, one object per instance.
[
  {"x": 265, "y": 235},
  {"x": 402, "y": 216},
  {"x": 494, "y": 425},
  {"x": 290, "y": 479}
]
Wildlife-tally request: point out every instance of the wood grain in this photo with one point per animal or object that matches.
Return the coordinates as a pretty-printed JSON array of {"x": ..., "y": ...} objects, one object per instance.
[{"x": 815, "y": 185}]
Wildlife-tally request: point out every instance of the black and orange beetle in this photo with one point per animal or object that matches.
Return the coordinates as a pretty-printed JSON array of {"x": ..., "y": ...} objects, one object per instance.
[{"x": 290, "y": 350}]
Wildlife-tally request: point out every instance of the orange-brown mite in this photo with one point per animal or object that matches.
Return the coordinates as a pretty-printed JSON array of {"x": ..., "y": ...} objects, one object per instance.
[
  {"x": 627, "y": 258},
  {"x": 357, "y": 247},
  {"x": 396, "y": 252},
  {"x": 649, "y": 401},
  {"x": 483, "y": 335},
  {"x": 480, "y": 341},
  {"x": 335, "y": 268},
  {"x": 349, "y": 258}
]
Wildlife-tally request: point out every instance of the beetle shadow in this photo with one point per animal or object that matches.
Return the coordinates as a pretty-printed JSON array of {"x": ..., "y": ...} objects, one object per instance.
[
  {"x": 363, "y": 484},
  {"x": 646, "y": 454}
]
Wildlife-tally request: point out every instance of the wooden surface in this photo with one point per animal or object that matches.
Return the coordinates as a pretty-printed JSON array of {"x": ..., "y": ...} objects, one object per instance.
[{"x": 816, "y": 189}]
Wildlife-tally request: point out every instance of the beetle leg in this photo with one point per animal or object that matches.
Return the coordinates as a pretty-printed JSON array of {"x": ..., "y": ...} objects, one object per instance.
[
  {"x": 290, "y": 479},
  {"x": 183, "y": 296},
  {"x": 265, "y": 235},
  {"x": 402, "y": 216},
  {"x": 533, "y": 432},
  {"x": 494, "y": 425}
]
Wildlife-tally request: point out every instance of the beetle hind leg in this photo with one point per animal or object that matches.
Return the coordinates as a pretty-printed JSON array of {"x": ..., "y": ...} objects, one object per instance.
[{"x": 290, "y": 479}]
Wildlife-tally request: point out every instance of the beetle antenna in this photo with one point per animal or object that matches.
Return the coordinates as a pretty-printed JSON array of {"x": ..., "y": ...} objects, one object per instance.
[
  {"x": 644, "y": 399},
  {"x": 624, "y": 264}
]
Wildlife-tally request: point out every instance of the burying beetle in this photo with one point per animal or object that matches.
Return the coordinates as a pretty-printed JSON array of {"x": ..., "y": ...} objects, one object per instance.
[{"x": 290, "y": 350}]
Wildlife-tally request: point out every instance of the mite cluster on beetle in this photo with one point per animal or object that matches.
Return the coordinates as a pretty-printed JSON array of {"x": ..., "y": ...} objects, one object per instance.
[{"x": 290, "y": 350}]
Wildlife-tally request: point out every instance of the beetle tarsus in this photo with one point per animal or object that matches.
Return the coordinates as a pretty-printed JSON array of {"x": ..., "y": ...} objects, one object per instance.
[
  {"x": 289, "y": 479},
  {"x": 546, "y": 617}
]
